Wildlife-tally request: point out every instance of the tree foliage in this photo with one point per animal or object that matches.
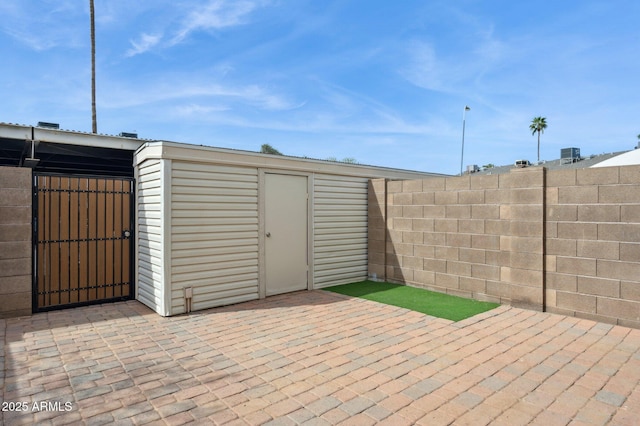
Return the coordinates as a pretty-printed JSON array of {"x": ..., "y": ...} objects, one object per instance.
[
  {"x": 538, "y": 124},
  {"x": 268, "y": 149}
]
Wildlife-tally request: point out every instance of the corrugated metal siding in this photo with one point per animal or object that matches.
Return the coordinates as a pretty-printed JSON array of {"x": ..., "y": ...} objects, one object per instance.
[
  {"x": 149, "y": 234},
  {"x": 340, "y": 230},
  {"x": 214, "y": 234}
]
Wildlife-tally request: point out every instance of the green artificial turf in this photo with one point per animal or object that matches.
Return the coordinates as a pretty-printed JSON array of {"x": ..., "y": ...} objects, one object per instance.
[{"x": 416, "y": 299}]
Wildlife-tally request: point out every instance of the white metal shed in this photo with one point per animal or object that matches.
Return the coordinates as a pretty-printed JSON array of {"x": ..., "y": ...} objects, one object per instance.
[{"x": 218, "y": 226}]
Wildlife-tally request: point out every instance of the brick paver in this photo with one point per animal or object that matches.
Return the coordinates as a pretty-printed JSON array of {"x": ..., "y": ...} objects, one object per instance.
[{"x": 316, "y": 358}]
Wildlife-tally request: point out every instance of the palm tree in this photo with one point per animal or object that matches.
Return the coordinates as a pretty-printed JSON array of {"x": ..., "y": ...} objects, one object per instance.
[
  {"x": 94, "y": 121},
  {"x": 538, "y": 124}
]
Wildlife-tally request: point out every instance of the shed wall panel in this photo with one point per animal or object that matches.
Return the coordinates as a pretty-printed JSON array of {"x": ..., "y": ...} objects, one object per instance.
[
  {"x": 340, "y": 229},
  {"x": 149, "y": 234},
  {"x": 214, "y": 234}
]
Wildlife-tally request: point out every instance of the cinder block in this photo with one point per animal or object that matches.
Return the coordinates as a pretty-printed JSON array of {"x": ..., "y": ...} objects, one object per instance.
[
  {"x": 394, "y": 186},
  {"x": 598, "y": 249},
  {"x": 596, "y": 317},
  {"x": 561, "y": 177},
  {"x": 550, "y": 262},
  {"x": 576, "y": 302},
  {"x": 15, "y": 250},
  {"x": 424, "y": 277},
  {"x": 433, "y": 211},
  {"x": 562, "y": 247},
  {"x": 472, "y": 255},
  {"x": 458, "y": 212},
  {"x": 457, "y": 183},
  {"x": 422, "y": 198},
  {"x": 15, "y": 177},
  {"x": 435, "y": 265},
  {"x": 496, "y": 196},
  {"x": 485, "y": 272},
  {"x": 499, "y": 289},
  {"x": 376, "y": 234},
  {"x": 522, "y": 277},
  {"x": 550, "y": 298},
  {"x": 433, "y": 184},
  {"x": 459, "y": 240},
  {"x": 578, "y": 195},
  {"x": 411, "y": 262},
  {"x": 599, "y": 213},
  {"x": 13, "y": 233},
  {"x": 376, "y": 258},
  {"x": 576, "y": 265},
  {"x": 435, "y": 238},
  {"x": 412, "y": 186},
  {"x": 412, "y": 211},
  {"x": 599, "y": 286},
  {"x": 402, "y": 249},
  {"x": 402, "y": 199},
  {"x": 461, "y": 269},
  {"x": 13, "y": 215},
  {"x": 447, "y": 281},
  {"x": 563, "y": 213},
  {"x": 9, "y": 303},
  {"x": 578, "y": 230},
  {"x": 16, "y": 284},
  {"x": 394, "y": 212},
  {"x": 522, "y": 178},
  {"x": 460, "y": 293},
  {"x": 447, "y": 253},
  {"x": 628, "y": 271},
  {"x": 412, "y": 237},
  {"x": 445, "y": 225},
  {"x": 624, "y": 232},
  {"x": 623, "y": 194},
  {"x": 630, "y": 290},
  {"x": 401, "y": 224},
  {"x": 521, "y": 244},
  {"x": 525, "y": 297},
  {"x": 630, "y": 213},
  {"x": 471, "y": 197},
  {"x": 532, "y": 213},
  {"x": 15, "y": 197},
  {"x": 526, "y": 196},
  {"x": 496, "y": 227},
  {"x": 473, "y": 285},
  {"x": 446, "y": 197},
  {"x": 497, "y": 257},
  {"x": 630, "y": 252},
  {"x": 405, "y": 274},
  {"x": 630, "y": 174},
  {"x": 487, "y": 242},
  {"x": 394, "y": 236},
  {"x": 485, "y": 211},
  {"x": 423, "y": 225},
  {"x": 551, "y": 196},
  {"x": 484, "y": 181},
  {"x": 393, "y": 260},
  {"x": 376, "y": 246},
  {"x": 625, "y": 309},
  {"x": 526, "y": 261},
  {"x": 423, "y": 251},
  {"x": 519, "y": 228},
  {"x": 551, "y": 230},
  {"x": 597, "y": 176},
  {"x": 15, "y": 267},
  {"x": 561, "y": 282}
]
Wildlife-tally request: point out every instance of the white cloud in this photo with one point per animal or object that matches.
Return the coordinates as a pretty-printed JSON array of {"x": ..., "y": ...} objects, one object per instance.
[
  {"x": 216, "y": 14},
  {"x": 145, "y": 42}
]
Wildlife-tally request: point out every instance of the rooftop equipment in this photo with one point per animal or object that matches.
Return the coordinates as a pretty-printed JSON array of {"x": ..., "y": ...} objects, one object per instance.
[
  {"x": 47, "y": 125},
  {"x": 569, "y": 155}
]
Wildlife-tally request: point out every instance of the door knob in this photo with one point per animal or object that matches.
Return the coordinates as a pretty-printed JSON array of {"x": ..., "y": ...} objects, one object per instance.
[{"x": 268, "y": 234}]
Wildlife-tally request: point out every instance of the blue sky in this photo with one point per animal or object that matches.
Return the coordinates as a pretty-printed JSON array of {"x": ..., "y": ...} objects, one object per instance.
[{"x": 384, "y": 82}]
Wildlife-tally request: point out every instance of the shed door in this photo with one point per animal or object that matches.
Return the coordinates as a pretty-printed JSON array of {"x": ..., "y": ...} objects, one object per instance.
[
  {"x": 286, "y": 233},
  {"x": 82, "y": 240}
]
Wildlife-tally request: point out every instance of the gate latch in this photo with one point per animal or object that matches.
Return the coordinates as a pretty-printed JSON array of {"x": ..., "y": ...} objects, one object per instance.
[{"x": 126, "y": 233}]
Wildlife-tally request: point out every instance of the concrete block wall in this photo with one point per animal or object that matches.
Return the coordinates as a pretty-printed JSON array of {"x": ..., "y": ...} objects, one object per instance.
[
  {"x": 593, "y": 244},
  {"x": 565, "y": 241},
  {"x": 478, "y": 237},
  {"x": 15, "y": 242}
]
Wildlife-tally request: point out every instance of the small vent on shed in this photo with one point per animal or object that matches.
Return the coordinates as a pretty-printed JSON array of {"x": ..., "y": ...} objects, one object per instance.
[
  {"x": 47, "y": 125},
  {"x": 129, "y": 135}
]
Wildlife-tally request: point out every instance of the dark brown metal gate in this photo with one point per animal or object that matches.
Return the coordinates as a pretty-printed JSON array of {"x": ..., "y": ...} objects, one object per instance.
[{"x": 82, "y": 240}]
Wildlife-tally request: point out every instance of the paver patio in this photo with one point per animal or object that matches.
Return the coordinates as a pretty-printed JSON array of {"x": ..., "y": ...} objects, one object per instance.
[{"x": 316, "y": 358}]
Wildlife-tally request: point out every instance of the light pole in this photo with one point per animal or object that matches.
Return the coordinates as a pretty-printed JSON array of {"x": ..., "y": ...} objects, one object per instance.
[{"x": 464, "y": 116}]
